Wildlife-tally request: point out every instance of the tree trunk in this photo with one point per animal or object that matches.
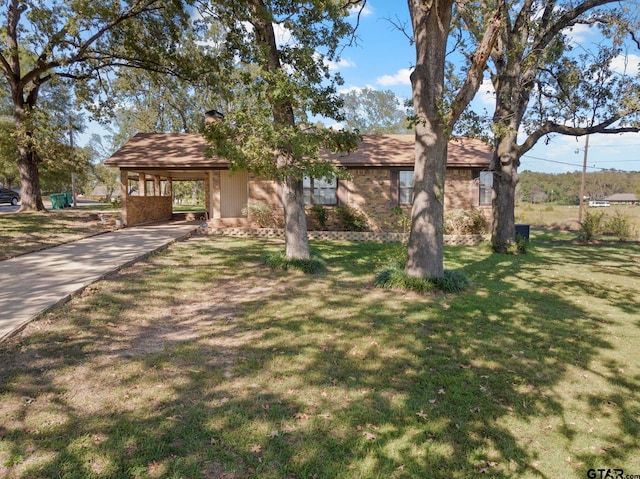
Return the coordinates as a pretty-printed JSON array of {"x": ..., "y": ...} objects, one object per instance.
[
  {"x": 295, "y": 219},
  {"x": 30, "y": 194},
  {"x": 430, "y": 21},
  {"x": 511, "y": 101},
  {"x": 505, "y": 179},
  {"x": 426, "y": 240}
]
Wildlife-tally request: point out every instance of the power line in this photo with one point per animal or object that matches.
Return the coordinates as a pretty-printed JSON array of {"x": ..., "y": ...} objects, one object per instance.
[{"x": 562, "y": 162}]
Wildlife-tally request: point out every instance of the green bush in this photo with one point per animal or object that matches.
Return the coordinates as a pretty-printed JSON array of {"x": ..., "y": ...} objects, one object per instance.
[
  {"x": 321, "y": 215},
  {"x": 395, "y": 277},
  {"x": 619, "y": 225},
  {"x": 263, "y": 214},
  {"x": 465, "y": 222},
  {"x": 313, "y": 265},
  {"x": 591, "y": 225},
  {"x": 351, "y": 219},
  {"x": 453, "y": 281}
]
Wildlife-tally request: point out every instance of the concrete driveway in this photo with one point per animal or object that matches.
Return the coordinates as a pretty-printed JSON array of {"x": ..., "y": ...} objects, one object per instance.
[
  {"x": 7, "y": 208},
  {"x": 33, "y": 283}
]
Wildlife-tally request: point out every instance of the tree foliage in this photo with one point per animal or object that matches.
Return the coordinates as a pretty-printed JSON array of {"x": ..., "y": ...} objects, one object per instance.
[
  {"x": 82, "y": 43},
  {"x": 536, "y": 187},
  {"x": 375, "y": 112},
  {"x": 546, "y": 84},
  {"x": 277, "y": 57}
]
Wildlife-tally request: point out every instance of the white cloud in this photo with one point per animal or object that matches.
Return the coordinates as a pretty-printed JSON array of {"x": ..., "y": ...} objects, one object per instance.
[
  {"x": 342, "y": 63},
  {"x": 364, "y": 12},
  {"x": 402, "y": 77},
  {"x": 358, "y": 89},
  {"x": 626, "y": 64},
  {"x": 486, "y": 94},
  {"x": 578, "y": 34}
]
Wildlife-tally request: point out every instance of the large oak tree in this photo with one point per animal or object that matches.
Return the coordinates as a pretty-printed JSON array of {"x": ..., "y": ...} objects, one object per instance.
[
  {"x": 435, "y": 119},
  {"x": 546, "y": 84},
  {"x": 82, "y": 42},
  {"x": 279, "y": 53}
]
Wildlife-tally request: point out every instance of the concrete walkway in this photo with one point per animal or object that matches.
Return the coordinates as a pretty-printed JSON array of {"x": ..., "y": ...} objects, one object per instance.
[{"x": 33, "y": 283}]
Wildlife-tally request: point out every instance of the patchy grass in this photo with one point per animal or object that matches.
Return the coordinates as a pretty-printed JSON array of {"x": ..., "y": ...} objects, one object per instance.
[
  {"x": 27, "y": 232},
  {"x": 203, "y": 363}
]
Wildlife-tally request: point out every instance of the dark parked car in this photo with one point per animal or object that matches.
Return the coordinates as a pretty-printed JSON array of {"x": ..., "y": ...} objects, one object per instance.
[{"x": 9, "y": 196}]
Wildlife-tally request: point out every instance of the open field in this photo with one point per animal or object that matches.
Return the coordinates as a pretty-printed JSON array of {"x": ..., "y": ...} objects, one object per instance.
[
  {"x": 203, "y": 363},
  {"x": 566, "y": 217}
]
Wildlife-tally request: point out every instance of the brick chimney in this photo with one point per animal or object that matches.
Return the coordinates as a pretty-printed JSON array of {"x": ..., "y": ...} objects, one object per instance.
[{"x": 212, "y": 115}]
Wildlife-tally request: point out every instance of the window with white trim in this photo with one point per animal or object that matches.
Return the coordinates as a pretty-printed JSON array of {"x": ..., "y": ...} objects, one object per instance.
[
  {"x": 405, "y": 187},
  {"x": 320, "y": 191},
  {"x": 486, "y": 187}
]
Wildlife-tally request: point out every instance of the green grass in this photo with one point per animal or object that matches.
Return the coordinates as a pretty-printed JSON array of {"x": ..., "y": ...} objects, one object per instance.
[
  {"x": 185, "y": 207},
  {"x": 279, "y": 261},
  {"x": 27, "y": 232},
  {"x": 395, "y": 277},
  {"x": 204, "y": 363}
]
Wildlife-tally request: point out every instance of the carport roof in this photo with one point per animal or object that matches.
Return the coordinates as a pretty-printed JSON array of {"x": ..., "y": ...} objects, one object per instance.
[{"x": 176, "y": 154}]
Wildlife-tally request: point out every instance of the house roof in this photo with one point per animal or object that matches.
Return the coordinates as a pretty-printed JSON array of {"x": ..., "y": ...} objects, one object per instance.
[
  {"x": 623, "y": 197},
  {"x": 399, "y": 151},
  {"x": 182, "y": 154}
]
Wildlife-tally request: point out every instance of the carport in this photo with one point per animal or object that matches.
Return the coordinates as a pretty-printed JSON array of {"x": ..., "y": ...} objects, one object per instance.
[{"x": 151, "y": 162}]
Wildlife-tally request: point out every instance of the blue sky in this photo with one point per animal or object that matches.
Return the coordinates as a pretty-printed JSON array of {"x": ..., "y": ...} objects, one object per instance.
[{"x": 383, "y": 61}]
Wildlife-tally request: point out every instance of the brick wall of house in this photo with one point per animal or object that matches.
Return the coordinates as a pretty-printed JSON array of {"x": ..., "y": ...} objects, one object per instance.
[
  {"x": 147, "y": 209},
  {"x": 369, "y": 191},
  {"x": 458, "y": 189}
]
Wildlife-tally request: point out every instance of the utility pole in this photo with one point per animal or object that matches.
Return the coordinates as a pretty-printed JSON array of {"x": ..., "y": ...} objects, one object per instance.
[
  {"x": 584, "y": 178},
  {"x": 73, "y": 175}
]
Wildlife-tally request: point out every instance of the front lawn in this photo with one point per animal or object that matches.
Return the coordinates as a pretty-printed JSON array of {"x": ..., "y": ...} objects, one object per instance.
[
  {"x": 32, "y": 231},
  {"x": 203, "y": 363}
]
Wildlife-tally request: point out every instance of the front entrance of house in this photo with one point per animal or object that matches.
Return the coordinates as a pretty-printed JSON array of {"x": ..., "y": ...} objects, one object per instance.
[{"x": 234, "y": 193}]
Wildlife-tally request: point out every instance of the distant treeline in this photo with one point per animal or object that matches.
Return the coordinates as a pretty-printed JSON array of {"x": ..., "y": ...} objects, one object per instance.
[{"x": 564, "y": 188}]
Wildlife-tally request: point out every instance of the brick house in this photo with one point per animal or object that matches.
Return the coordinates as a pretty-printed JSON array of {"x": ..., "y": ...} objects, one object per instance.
[{"x": 379, "y": 177}]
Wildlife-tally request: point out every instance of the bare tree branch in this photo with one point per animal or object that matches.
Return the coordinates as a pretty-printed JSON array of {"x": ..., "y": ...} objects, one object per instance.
[{"x": 604, "y": 127}]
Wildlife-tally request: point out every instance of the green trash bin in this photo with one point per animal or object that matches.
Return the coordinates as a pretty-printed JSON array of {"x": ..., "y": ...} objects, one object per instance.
[
  {"x": 57, "y": 201},
  {"x": 68, "y": 199}
]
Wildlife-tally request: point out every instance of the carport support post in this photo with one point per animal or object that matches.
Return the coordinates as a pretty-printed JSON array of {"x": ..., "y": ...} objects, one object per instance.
[
  {"x": 156, "y": 186},
  {"x": 124, "y": 194},
  {"x": 142, "y": 184},
  {"x": 214, "y": 194}
]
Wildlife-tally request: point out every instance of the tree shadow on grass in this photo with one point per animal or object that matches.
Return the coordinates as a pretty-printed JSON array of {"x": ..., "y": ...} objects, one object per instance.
[{"x": 262, "y": 374}]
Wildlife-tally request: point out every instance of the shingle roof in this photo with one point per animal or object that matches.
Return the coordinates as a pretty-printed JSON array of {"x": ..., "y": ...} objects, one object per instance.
[
  {"x": 187, "y": 151},
  {"x": 622, "y": 197},
  {"x": 398, "y": 150},
  {"x": 165, "y": 150}
]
